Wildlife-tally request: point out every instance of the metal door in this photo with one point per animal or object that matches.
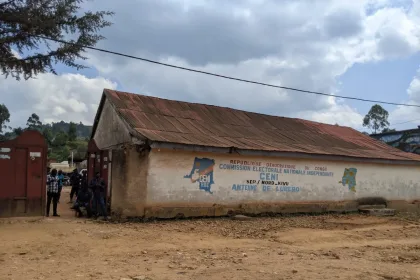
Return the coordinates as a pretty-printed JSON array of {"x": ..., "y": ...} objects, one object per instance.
[
  {"x": 21, "y": 181},
  {"x": 35, "y": 174},
  {"x": 23, "y": 175}
]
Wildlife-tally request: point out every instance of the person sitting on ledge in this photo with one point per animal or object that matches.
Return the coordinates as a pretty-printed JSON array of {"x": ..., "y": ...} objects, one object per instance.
[{"x": 83, "y": 200}]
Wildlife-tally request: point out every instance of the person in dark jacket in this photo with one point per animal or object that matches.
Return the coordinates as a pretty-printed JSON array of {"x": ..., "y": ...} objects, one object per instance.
[
  {"x": 75, "y": 184},
  {"x": 97, "y": 185},
  {"x": 84, "y": 198},
  {"x": 84, "y": 180}
]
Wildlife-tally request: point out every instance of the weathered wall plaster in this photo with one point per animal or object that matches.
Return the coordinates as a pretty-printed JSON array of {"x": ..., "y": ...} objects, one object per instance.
[{"x": 187, "y": 183}]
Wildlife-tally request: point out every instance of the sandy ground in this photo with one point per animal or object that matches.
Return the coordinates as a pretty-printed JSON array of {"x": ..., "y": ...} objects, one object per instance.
[{"x": 305, "y": 247}]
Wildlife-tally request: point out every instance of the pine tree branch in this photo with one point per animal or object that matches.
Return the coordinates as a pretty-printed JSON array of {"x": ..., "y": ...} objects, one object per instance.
[{"x": 22, "y": 20}]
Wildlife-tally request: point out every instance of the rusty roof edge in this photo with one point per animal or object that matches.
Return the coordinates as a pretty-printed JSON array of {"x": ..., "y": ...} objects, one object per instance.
[
  {"x": 376, "y": 141},
  {"x": 131, "y": 130},
  {"x": 98, "y": 113},
  {"x": 299, "y": 155}
]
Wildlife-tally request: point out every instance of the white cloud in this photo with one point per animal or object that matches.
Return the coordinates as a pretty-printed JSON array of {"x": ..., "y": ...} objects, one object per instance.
[
  {"x": 404, "y": 114},
  {"x": 67, "y": 97},
  {"x": 414, "y": 88},
  {"x": 395, "y": 31},
  {"x": 304, "y": 44},
  {"x": 336, "y": 114}
]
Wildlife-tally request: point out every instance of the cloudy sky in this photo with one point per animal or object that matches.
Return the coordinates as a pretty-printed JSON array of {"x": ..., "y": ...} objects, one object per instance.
[{"x": 360, "y": 48}]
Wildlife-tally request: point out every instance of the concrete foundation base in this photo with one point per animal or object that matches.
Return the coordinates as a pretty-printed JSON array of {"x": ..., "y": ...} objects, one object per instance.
[
  {"x": 168, "y": 211},
  {"x": 173, "y": 211},
  {"x": 362, "y": 207},
  {"x": 378, "y": 211}
]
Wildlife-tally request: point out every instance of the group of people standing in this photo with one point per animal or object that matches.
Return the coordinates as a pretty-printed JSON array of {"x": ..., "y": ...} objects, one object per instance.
[{"x": 89, "y": 195}]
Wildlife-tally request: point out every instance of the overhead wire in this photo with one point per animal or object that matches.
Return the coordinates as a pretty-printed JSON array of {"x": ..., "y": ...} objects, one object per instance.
[
  {"x": 224, "y": 76},
  {"x": 406, "y": 122}
]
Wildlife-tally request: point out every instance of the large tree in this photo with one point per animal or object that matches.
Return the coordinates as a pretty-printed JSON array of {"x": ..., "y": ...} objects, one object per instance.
[
  {"x": 34, "y": 123},
  {"x": 376, "y": 118},
  {"x": 23, "y": 23},
  {"x": 4, "y": 117}
]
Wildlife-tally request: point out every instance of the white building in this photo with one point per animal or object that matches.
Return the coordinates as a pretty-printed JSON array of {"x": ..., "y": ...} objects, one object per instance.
[
  {"x": 170, "y": 158},
  {"x": 60, "y": 165}
]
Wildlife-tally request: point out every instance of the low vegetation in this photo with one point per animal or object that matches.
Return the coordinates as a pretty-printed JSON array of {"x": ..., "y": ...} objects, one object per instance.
[{"x": 63, "y": 138}]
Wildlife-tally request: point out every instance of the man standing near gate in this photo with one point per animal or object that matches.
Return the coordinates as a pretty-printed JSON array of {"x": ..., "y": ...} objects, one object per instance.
[
  {"x": 52, "y": 192},
  {"x": 97, "y": 185},
  {"x": 75, "y": 179}
]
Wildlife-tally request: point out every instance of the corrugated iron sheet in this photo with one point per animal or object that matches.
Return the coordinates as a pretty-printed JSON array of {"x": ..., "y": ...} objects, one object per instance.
[{"x": 206, "y": 125}]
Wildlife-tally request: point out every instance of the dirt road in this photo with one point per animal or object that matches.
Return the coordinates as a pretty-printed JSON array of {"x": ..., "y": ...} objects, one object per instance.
[{"x": 321, "y": 247}]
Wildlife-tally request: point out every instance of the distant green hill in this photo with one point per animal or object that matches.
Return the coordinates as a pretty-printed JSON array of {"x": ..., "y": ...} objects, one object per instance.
[
  {"x": 83, "y": 131},
  {"x": 60, "y": 143},
  {"x": 60, "y": 147}
]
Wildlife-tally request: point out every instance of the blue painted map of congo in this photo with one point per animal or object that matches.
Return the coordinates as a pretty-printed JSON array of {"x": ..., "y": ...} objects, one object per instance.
[
  {"x": 349, "y": 178},
  {"x": 202, "y": 172}
]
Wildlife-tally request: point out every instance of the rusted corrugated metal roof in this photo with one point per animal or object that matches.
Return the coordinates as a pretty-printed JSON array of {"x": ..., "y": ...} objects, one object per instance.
[{"x": 162, "y": 120}]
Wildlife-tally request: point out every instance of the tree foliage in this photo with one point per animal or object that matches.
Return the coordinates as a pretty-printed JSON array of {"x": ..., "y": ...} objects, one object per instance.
[
  {"x": 63, "y": 138},
  {"x": 18, "y": 131},
  {"x": 376, "y": 118},
  {"x": 48, "y": 135},
  {"x": 4, "y": 117},
  {"x": 34, "y": 123},
  {"x": 82, "y": 131},
  {"x": 72, "y": 131},
  {"x": 386, "y": 129},
  {"x": 60, "y": 139},
  {"x": 24, "y": 22}
]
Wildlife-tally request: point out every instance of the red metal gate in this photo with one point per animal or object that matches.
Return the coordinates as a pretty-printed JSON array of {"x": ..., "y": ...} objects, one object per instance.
[
  {"x": 98, "y": 161},
  {"x": 23, "y": 172}
]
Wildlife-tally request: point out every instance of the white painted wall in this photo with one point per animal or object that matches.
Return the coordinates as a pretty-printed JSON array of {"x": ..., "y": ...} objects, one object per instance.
[{"x": 166, "y": 183}]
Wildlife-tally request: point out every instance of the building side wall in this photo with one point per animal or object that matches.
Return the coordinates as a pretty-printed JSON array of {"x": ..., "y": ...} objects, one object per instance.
[
  {"x": 111, "y": 130},
  {"x": 118, "y": 181},
  {"x": 199, "y": 184},
  {"x": 138, "y": 163},
  {"x": 129, "y": 181}
]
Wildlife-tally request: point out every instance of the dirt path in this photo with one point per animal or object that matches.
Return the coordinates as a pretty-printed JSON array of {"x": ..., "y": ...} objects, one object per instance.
[{"x": 321, "y": 247}]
